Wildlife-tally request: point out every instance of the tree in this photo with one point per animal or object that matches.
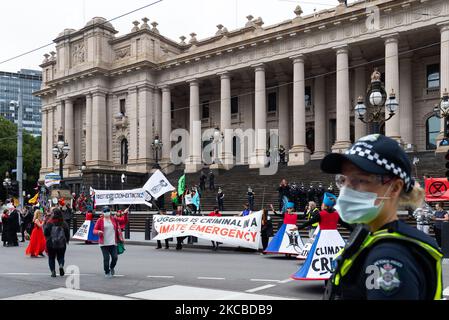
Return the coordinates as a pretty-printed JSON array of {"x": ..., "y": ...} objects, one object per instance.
[{"x": 8, "y": 156}]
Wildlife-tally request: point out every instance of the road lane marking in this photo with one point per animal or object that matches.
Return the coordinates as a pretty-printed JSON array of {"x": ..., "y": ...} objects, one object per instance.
[
  {"x": 268, "y": 286},
  {"x": 210, "y": 278},
  {"x": 161, "y": 277},
  {"x": 265, "y": 280},
  {"x": 286, "y": 281}
]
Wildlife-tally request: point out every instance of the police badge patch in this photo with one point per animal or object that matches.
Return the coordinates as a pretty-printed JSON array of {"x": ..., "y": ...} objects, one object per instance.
[{"x": 388, "y": 277}]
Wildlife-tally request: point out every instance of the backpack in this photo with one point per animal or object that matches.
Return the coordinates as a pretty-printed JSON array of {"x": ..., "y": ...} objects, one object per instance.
[{"x": 57, "y": 237}]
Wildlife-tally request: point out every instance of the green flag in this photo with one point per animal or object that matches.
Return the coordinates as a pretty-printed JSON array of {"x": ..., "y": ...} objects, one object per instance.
[{"x": 181, "y": 185}]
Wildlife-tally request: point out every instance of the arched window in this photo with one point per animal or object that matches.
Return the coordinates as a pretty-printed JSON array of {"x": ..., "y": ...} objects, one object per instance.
[
  {"x": 124, "y": 152},
  {"x": 433, "y": 125}
]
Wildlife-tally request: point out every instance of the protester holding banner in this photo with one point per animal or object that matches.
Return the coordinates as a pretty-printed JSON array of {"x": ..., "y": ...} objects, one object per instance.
[
  {"x": 440, "y": 216},
  {"x": 385, "y": 259},
  {"x": 57, "y": 233},
  {"x": 37, "y": 244},
  {"x": 5, "y": 218},
  {"x": 108, "y": 230},
  {"x": 266, "y": 230},
  {"x": 163, "y": 212},
  {"x": 215, "y": 213}
]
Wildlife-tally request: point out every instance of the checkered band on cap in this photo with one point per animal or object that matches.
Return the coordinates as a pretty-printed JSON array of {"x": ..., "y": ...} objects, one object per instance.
[{"x": 384, "y": 163}]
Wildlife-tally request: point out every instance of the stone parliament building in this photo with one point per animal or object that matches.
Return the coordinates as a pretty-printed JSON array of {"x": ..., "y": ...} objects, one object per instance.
[{"x": 111, "y": 96}]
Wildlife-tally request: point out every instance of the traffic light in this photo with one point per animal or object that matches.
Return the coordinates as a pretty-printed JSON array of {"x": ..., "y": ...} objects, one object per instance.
[{"x": 447, "y": 165}]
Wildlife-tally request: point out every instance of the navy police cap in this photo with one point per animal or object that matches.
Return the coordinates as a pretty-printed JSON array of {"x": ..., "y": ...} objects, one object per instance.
[{"x": 375, "y": 154}]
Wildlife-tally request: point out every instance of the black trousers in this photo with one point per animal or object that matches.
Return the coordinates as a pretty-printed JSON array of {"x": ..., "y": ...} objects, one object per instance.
[
  {"x": 159, "y": 243},
  {"x": 179, "y": 241},
  {"x": 438, "y": 236},
  {"x": 109, "y": 252},
  {"x": 12, "y": 238},
  {"x": 265, "y": 240},
  {"x": 58, "y": 254}
]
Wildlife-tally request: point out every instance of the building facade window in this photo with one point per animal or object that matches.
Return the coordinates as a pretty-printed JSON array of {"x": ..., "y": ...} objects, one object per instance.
[
  {"x": 308, "y": 97},
  {"x": 124, "y": 152},
  {"x": 123, "y": 107},
  {"x": 433, "y": 126},
  {"x": 235, "y": 105},
  {"x": 272, "y": 102},
  {"x": 205, "y": 110},
  {"x": 172, "y": 108},
  {"x": 433, "y": 76}
]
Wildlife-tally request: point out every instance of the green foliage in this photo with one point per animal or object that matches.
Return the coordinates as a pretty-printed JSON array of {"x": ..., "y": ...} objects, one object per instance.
[{"x": 8, "y": 156}]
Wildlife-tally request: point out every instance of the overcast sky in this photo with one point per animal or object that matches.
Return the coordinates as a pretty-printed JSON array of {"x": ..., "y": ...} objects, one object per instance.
[{"x": 29, "y": 24}]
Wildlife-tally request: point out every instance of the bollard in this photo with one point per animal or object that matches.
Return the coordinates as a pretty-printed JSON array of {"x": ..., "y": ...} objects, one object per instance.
[
  {"x": 148, "y": 229},
  {"x": 445, "y": 239},
  {"x": 74, "y": 226},
  {"x": 127, "y": 231}
]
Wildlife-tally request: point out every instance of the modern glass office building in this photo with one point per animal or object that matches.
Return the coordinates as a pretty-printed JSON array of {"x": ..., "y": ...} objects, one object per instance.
[{"x": 29, "y": 81}]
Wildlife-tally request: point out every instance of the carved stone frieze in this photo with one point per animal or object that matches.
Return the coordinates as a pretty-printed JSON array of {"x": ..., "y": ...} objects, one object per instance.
[
  {"x": 123, "y": 53},
  {"x": 78, "y": 53}
]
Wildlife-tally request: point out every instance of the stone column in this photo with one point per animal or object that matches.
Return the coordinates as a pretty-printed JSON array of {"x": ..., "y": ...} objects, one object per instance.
[
  {"x": 299, "y": 154},
  {"x": 260, "y": 123},
  {"x": 319, "y": 98},
  {"x": 360, "y": 87},
  {"x": 69, "y": 133},
  {"x": 343, "y": 101},
  {"x": 406, "y": 87},
  {"x": 194, "y": 161},
  {"x": 99, "y": 129},
  {"x": 133, "y": 125},
  {"x": 50, "y": 138},
  {"x": 59, "y": 115},
  {"x": 284, "y": 120},
  {"x": 145, "y": 127},
  {"x": 392, "y": 126},
  {"x": 444, "y": 75},
  {"x": 226, "y": 158},
  {"x": 166, "y": 123},
  {"x": 158, "y": 112},
  {"x": 44, "y": 142},
  {"x": 88, "y": 128}
]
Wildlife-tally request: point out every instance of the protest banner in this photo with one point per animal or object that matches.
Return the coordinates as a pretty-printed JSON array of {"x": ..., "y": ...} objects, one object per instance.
[
  {"x": 437, "y": 189},
  {"x": 113, "y": 197},
  {"x": 239, "y": 231},
  {"x": 52, "y": 179}
]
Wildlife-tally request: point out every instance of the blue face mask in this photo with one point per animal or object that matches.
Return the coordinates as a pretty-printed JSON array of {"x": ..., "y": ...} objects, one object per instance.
[{"x": 358, "y": 207}]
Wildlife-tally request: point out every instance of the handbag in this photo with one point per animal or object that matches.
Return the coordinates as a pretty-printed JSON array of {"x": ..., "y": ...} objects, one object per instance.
[{"x": 120, "y": 248}]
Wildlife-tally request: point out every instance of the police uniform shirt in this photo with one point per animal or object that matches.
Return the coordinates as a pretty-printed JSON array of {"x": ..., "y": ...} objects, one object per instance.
[{"x": 390, "y": 270}]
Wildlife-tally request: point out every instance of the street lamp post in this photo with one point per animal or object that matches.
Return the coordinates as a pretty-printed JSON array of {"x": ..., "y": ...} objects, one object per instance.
[
  {"x": 19, "y": 162},
  {"x": 371, "y": 108},
  {"x": 82, "y": 169},
  {"x": 156, "y": 146},
  {"x": 7, "y": 183},
  {"x": 441, "y": 110},
  {"x": 61, "y": 150}
]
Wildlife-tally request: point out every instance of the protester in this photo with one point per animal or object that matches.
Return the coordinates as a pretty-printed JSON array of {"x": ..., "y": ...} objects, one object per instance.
[
  {"x": 215, "y": 213},
  {"x": 440, "y": 216},
  {"x": 179, "y": 240},
  {"x": 246, "y": 211},
  {"x": 284, "y": 191},
  {"x": 37, "y": 244},
  {"x": 282, "y": 154},
  {"x": 57, "y": 233},
  {"x": 26, "y": 219},
  {"x": 163, "y": 212},
  {"x": 5, "y": 218},
  {"x": 375, "y": 177},
  {"x": 266, "y": 230},
  {"x": 203, "y": 181},
  {"x": 67, "y": 214},
  {"x": 174, "y": 199},
  {"x": 287, "y": 240},
  {"x": 122, "y": 218},
  {"x": 108, "y": 230},
  {"x": 220, "y": 199},
  {"x": 250, "y": 196},
  {"x": 13, "y": 228},
  {"x": 423, "y": 216},
  {"x": 211, "y": 181}
]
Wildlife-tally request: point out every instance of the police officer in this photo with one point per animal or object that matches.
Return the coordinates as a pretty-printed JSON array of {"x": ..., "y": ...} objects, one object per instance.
[{"x": 384, "y": 258}]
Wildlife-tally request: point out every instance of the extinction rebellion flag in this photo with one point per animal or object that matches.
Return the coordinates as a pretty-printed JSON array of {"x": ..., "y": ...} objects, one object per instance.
[{"x": 437, "y": 189}]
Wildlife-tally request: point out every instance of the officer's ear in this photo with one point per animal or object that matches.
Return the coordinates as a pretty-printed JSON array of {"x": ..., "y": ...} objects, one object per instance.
[{"x": 396, "y": 188}]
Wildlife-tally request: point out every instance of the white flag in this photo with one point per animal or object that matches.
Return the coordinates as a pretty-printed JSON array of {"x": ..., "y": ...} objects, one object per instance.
[{"x": 158, "y": 185}]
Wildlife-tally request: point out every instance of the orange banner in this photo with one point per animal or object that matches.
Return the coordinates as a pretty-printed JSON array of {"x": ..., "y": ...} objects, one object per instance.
[{"x": 437, "y": 189}]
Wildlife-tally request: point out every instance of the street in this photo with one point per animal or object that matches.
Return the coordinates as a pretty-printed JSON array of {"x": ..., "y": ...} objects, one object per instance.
[{"x": 142, "y": 270}]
